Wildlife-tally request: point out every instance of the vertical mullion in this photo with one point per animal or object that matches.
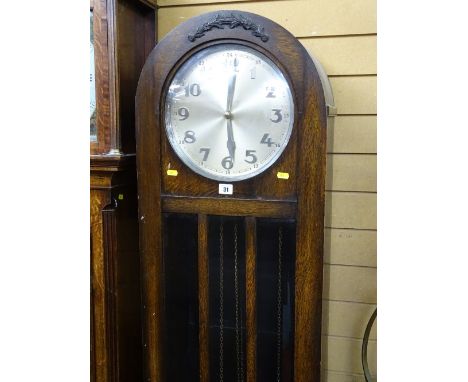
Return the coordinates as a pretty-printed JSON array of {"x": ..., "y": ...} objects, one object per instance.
[
  {"x": 251, "y": 297},
  {"x": 203, "y": 297}
]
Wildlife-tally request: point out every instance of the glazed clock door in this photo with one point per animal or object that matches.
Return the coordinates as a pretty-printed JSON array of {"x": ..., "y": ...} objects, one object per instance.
[
  {"x": 230, "y": 269},
  {"x": 231, "y": 125}
]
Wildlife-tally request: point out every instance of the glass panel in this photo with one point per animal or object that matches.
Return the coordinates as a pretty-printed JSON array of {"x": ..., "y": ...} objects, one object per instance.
[
  {"x": 181, "y": 297},
  {"x": 227, "y": 299},
  {"x": 227, "y": 296},
  {"x": 92, "y": 88},
  {"x": 275, "y": 300}
]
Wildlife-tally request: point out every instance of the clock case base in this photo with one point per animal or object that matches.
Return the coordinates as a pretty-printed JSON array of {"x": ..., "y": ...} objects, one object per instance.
[{"x": 186, "y": 210}]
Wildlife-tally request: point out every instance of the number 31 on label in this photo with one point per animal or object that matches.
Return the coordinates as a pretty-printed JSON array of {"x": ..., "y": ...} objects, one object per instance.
[{"x": 225, "y": 189}]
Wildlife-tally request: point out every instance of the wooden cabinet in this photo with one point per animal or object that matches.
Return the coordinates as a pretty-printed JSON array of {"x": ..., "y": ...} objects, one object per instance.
[
  {"x": 231, "y": 273},
  {"x": 122, "y": 35}
]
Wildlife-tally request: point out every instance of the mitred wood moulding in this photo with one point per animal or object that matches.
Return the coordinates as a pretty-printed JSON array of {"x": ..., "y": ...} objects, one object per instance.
[{"x": 299, "y": 198}]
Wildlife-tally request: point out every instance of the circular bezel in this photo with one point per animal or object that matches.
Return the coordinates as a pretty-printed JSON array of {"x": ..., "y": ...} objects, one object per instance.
[{"x": 186, "y": 159}]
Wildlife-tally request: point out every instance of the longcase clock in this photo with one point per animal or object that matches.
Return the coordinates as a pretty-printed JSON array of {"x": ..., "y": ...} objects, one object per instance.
[
  {"x": 121, "y": 37},
  {"x": 231, "y": 117}
]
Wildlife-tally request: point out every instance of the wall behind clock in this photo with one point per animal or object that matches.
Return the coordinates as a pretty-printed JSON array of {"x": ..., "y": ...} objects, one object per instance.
[{"x": 342, "y": 34}]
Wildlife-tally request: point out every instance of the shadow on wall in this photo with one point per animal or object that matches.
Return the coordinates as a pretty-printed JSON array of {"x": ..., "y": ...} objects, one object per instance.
[{"x": 327, "y": 240}]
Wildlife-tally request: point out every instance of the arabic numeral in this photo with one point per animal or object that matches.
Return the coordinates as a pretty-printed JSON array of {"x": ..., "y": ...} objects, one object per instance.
[
  {"x": 277, "y": 114},
  {"x": 189, "y": 136},
  {"x": 193, "y": 89},
  {"x": 227, "y": 163},
  {"x": 270, "y": 92},
  {"x": 236, "y": 64},
  {"x": 250, "y": 153},
  {"x": 266, "y": 140},
  {"x": 206, "y": 152},
  {"x": 183, "y": 113}
]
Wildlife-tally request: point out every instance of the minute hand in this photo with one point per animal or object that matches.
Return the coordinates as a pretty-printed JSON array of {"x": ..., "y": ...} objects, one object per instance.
[
  {"x": 230, "y": 95},
  {"x": 231, "y": 144}
]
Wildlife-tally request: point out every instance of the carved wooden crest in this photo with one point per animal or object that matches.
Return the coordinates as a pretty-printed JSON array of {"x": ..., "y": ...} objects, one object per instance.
[{"x": 233, "y": 21}]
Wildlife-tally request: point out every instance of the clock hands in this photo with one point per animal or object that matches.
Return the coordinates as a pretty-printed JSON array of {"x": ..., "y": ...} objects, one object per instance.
[
  {"x": 231, "y": 87},
  {"x": 231, "y": 145}
]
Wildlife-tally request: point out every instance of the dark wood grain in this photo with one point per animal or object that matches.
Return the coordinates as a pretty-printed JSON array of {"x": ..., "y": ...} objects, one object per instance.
[
  {"x": 229, "y": 206},
  {"x": 251, "y": 296},
  {"x": 203, "y": 297},
  {"x": 113, "y": 81},
  {"x": 123, "y": 30},
  {"x": 124, "y": 34},
  {"x": 99, "y": 199},
  {"x": 149, "y": 3},
  {"x": 310, "y": 216},
  {"x": 110, "y": 254},
  {"x": 92, "y": 324},
  {"x": 136, "y": 39},
  {"x": 127, "y": 276},
  {"x": 300, "y": 198},
  {"x": 116, "y": 338},
  {"x": 149, "y": 207},
  {"x": 101, "y": 63}
]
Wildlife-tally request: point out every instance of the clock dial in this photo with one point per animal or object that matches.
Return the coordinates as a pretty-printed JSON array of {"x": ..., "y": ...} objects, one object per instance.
[{"x": 229, "y": 112}]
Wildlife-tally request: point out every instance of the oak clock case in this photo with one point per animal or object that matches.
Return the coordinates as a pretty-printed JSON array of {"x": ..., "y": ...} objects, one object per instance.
[{"x": 232, "y": 282}]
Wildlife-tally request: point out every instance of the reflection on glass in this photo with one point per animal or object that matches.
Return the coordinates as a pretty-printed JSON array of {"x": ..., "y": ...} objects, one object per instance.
[
  {"x": 275, "y": 299},
  {"x": 227, "y": 338},
  {"x": 181, "y": 297},
  {"x": 92, "y": 83}
]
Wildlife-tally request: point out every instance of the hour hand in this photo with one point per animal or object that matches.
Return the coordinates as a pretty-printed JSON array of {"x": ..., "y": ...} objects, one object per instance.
[
  {"x": 231, "y": 144},
  {"x": 230, "y": 95}
]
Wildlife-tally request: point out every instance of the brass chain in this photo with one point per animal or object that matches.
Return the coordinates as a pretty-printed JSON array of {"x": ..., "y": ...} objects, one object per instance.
[
  {"x": 239, "y": 352},
  {"x": 279, "y": 306},
  {"x": 236, "y": 291},
  {"x": 221, "y": 303}
]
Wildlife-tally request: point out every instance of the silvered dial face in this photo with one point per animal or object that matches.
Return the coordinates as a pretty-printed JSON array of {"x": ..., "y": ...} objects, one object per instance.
[{"x": 229, "y": 112}]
